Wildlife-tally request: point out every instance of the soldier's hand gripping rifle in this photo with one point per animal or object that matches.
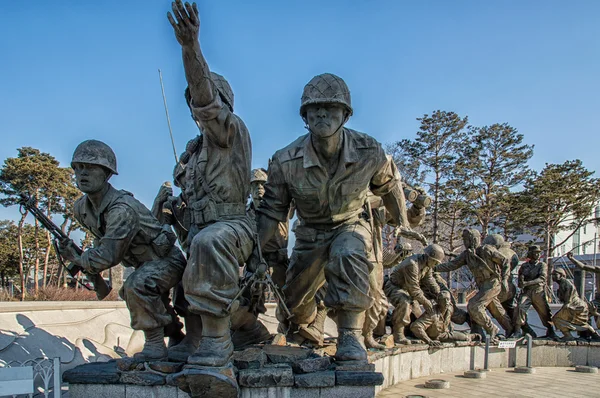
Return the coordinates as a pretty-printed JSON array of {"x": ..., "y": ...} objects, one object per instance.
[
  {"x": 101, "y": 288},
  {"x": 258, "y": 281}
]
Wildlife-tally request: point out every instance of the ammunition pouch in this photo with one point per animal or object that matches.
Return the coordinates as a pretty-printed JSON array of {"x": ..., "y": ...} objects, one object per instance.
[{"x": 206, "y": 211}]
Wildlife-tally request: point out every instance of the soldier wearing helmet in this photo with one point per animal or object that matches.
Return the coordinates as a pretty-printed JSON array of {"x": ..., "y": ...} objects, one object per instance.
[
  {"x": 491, "y": 271},
  {"x": 215, "y": 182},
  {"x": 126, "y": 232},
  {"x": 574, "y": 315},
  {"x": 435, "y": 327},
  {"x": 385, "y": 257},
  {"x": 533, "y": 279},
  {"x": 410, "y": 285},
  {"x": 328, "y": 173}
]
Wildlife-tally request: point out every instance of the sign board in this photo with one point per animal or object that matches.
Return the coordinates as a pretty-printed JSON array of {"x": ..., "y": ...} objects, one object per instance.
[
  {"x": 507, "y": 344},
  {"x": 15, "y": 381}
]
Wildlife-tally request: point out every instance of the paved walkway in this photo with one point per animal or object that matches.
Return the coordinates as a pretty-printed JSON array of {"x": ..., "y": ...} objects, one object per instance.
[{"x": 545, "y": 383}]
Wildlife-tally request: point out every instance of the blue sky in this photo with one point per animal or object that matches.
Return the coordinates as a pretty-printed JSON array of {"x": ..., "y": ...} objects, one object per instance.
[{"x": 74, "y": 70}]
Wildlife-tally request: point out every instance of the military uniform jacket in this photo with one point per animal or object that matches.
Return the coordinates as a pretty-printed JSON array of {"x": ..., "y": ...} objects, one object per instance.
[
  {"x": 530, "y": 272},
  {"x": 414, "y": 276},
  {"x": 216, "y": 181},
  {"x": 485, "y": 263},
  {"x": 125, "y": 231},
  {"x": 325, "y": 202}
]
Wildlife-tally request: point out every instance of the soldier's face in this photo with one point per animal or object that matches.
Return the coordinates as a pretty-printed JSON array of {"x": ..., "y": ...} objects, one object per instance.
[
  {"x": 443, "y": 301},
  {"x": 324, "y": 120},
  {"x": 90, "y": 178},
  {"x": 534, "y": 256},
  {"x": 556, "y": 276},
  {"x": 257, "y": 190},
  {"x": 470, "y": 241}
]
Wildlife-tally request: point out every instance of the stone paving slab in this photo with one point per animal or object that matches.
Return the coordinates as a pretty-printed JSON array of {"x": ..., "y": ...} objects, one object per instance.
[{"x": 546, "y": 382}]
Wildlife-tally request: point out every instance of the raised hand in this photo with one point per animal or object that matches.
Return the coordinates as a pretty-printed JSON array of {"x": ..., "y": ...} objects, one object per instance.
[{"x": 186, "y": 23}]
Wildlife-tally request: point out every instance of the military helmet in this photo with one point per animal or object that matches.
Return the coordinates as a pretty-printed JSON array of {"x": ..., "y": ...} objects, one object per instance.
[
  {"x": 259, "y": 174},
  {"x": 435, "y": 252},
  {"x": 222, "y": 87},
  {"x": 559, "y": 271},
  {"x": 534, "y": 248},
  {"x": 326, "y": 89},
  {"x": 95, "y": 152},
  {"x": 494, "y": 240},
  {"x": 403, "y": 247}
]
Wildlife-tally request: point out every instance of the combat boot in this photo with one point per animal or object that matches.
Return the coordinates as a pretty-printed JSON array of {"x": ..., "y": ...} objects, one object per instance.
[
  {"x": 493, "y": 333},
  {"x": 154, "y": 346},
  {"x": 349, "y": 344},
  {"x": 518, "y": 333},
  {"x": 215, "y": 348},
  {"x": 247, "y": 329},
  {"x": 399, "y": 336},
  {"x": 550, "y": 333},
  {"x": 315, "y": 332},
  {"x": 528, "y": 330},
  {"x": 370, "y": 342},
  {"x": 189, "y": 344}
]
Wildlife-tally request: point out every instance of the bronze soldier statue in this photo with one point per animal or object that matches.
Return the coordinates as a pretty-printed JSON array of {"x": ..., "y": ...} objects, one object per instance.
[
  {"x": 410, "y": 285},
  {"x": 574, "y": 315},
  {"x": 328, "y": 173},
  {"x": 435, "y": 327},
  {"x": 275, "y": 251},
  {"x": 491, "y": 272},
  {"x": 384, "y": 258},
  {"x": 508, "y": 297},
  {"x": 595, "y": 304},
  {"x": 126, "y": 232},
  {"x": 533, "y": 276},
  {"x": 217, "y": 186}
]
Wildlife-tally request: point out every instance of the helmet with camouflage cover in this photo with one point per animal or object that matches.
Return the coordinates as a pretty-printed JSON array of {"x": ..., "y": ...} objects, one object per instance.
[
  {"x": 495, "y": 240},
  {"x": 222, "y": 86},
  {"x": 259, "y": 174},
  {"x": 95, "y": 152},
  {"x": 326, "y": 88},
  {"x": 435, "y": 252}
]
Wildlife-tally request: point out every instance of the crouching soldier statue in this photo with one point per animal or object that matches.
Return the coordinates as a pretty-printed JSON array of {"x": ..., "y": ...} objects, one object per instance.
[
  {"x": 408, "y": 285},
  {"x": 574, "y": 315},
  {"x": 125, "y": 232}
]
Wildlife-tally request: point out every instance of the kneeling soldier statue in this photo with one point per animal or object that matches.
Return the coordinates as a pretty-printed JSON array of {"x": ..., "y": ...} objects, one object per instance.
[{"x": 125, "y": 232}]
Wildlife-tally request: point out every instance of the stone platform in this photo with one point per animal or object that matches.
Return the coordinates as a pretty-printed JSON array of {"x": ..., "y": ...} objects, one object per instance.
[{"x": 301, "y": 373}]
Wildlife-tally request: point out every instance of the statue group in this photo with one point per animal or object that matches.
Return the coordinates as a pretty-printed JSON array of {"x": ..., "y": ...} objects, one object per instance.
[{"x": 343, "y": 189}]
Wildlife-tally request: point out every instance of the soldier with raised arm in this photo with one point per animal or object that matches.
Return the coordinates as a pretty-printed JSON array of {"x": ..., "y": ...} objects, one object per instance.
[
  {"x": 533, "y": 277},
  {"x": 328, "y": 173},
  {"x": 410, "y": 285},
  {"x": 126, "y": 232},
  {"x": 216, "y": 186},
  {"x": 490, "y": 268}
]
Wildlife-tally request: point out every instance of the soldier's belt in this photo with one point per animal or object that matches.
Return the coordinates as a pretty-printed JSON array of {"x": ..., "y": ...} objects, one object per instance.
[{"x": 206, "y": 211}]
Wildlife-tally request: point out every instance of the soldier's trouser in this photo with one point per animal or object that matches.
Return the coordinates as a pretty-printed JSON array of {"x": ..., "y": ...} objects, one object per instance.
[
  {"x": 537, "y": 298},
  {"x": 575, "y": 317},
  {"x": 509, "y": 301},
  {"x": 342, "y": 258},
  {"x": 379, "y": 309},
  {"x": 403, "y": 304},
  {"x": 144, "y": 290},
  {"x": 217, "y": 251},
  {"x": 454, "y": 336},
  {"x": 487, "y": 297}
]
